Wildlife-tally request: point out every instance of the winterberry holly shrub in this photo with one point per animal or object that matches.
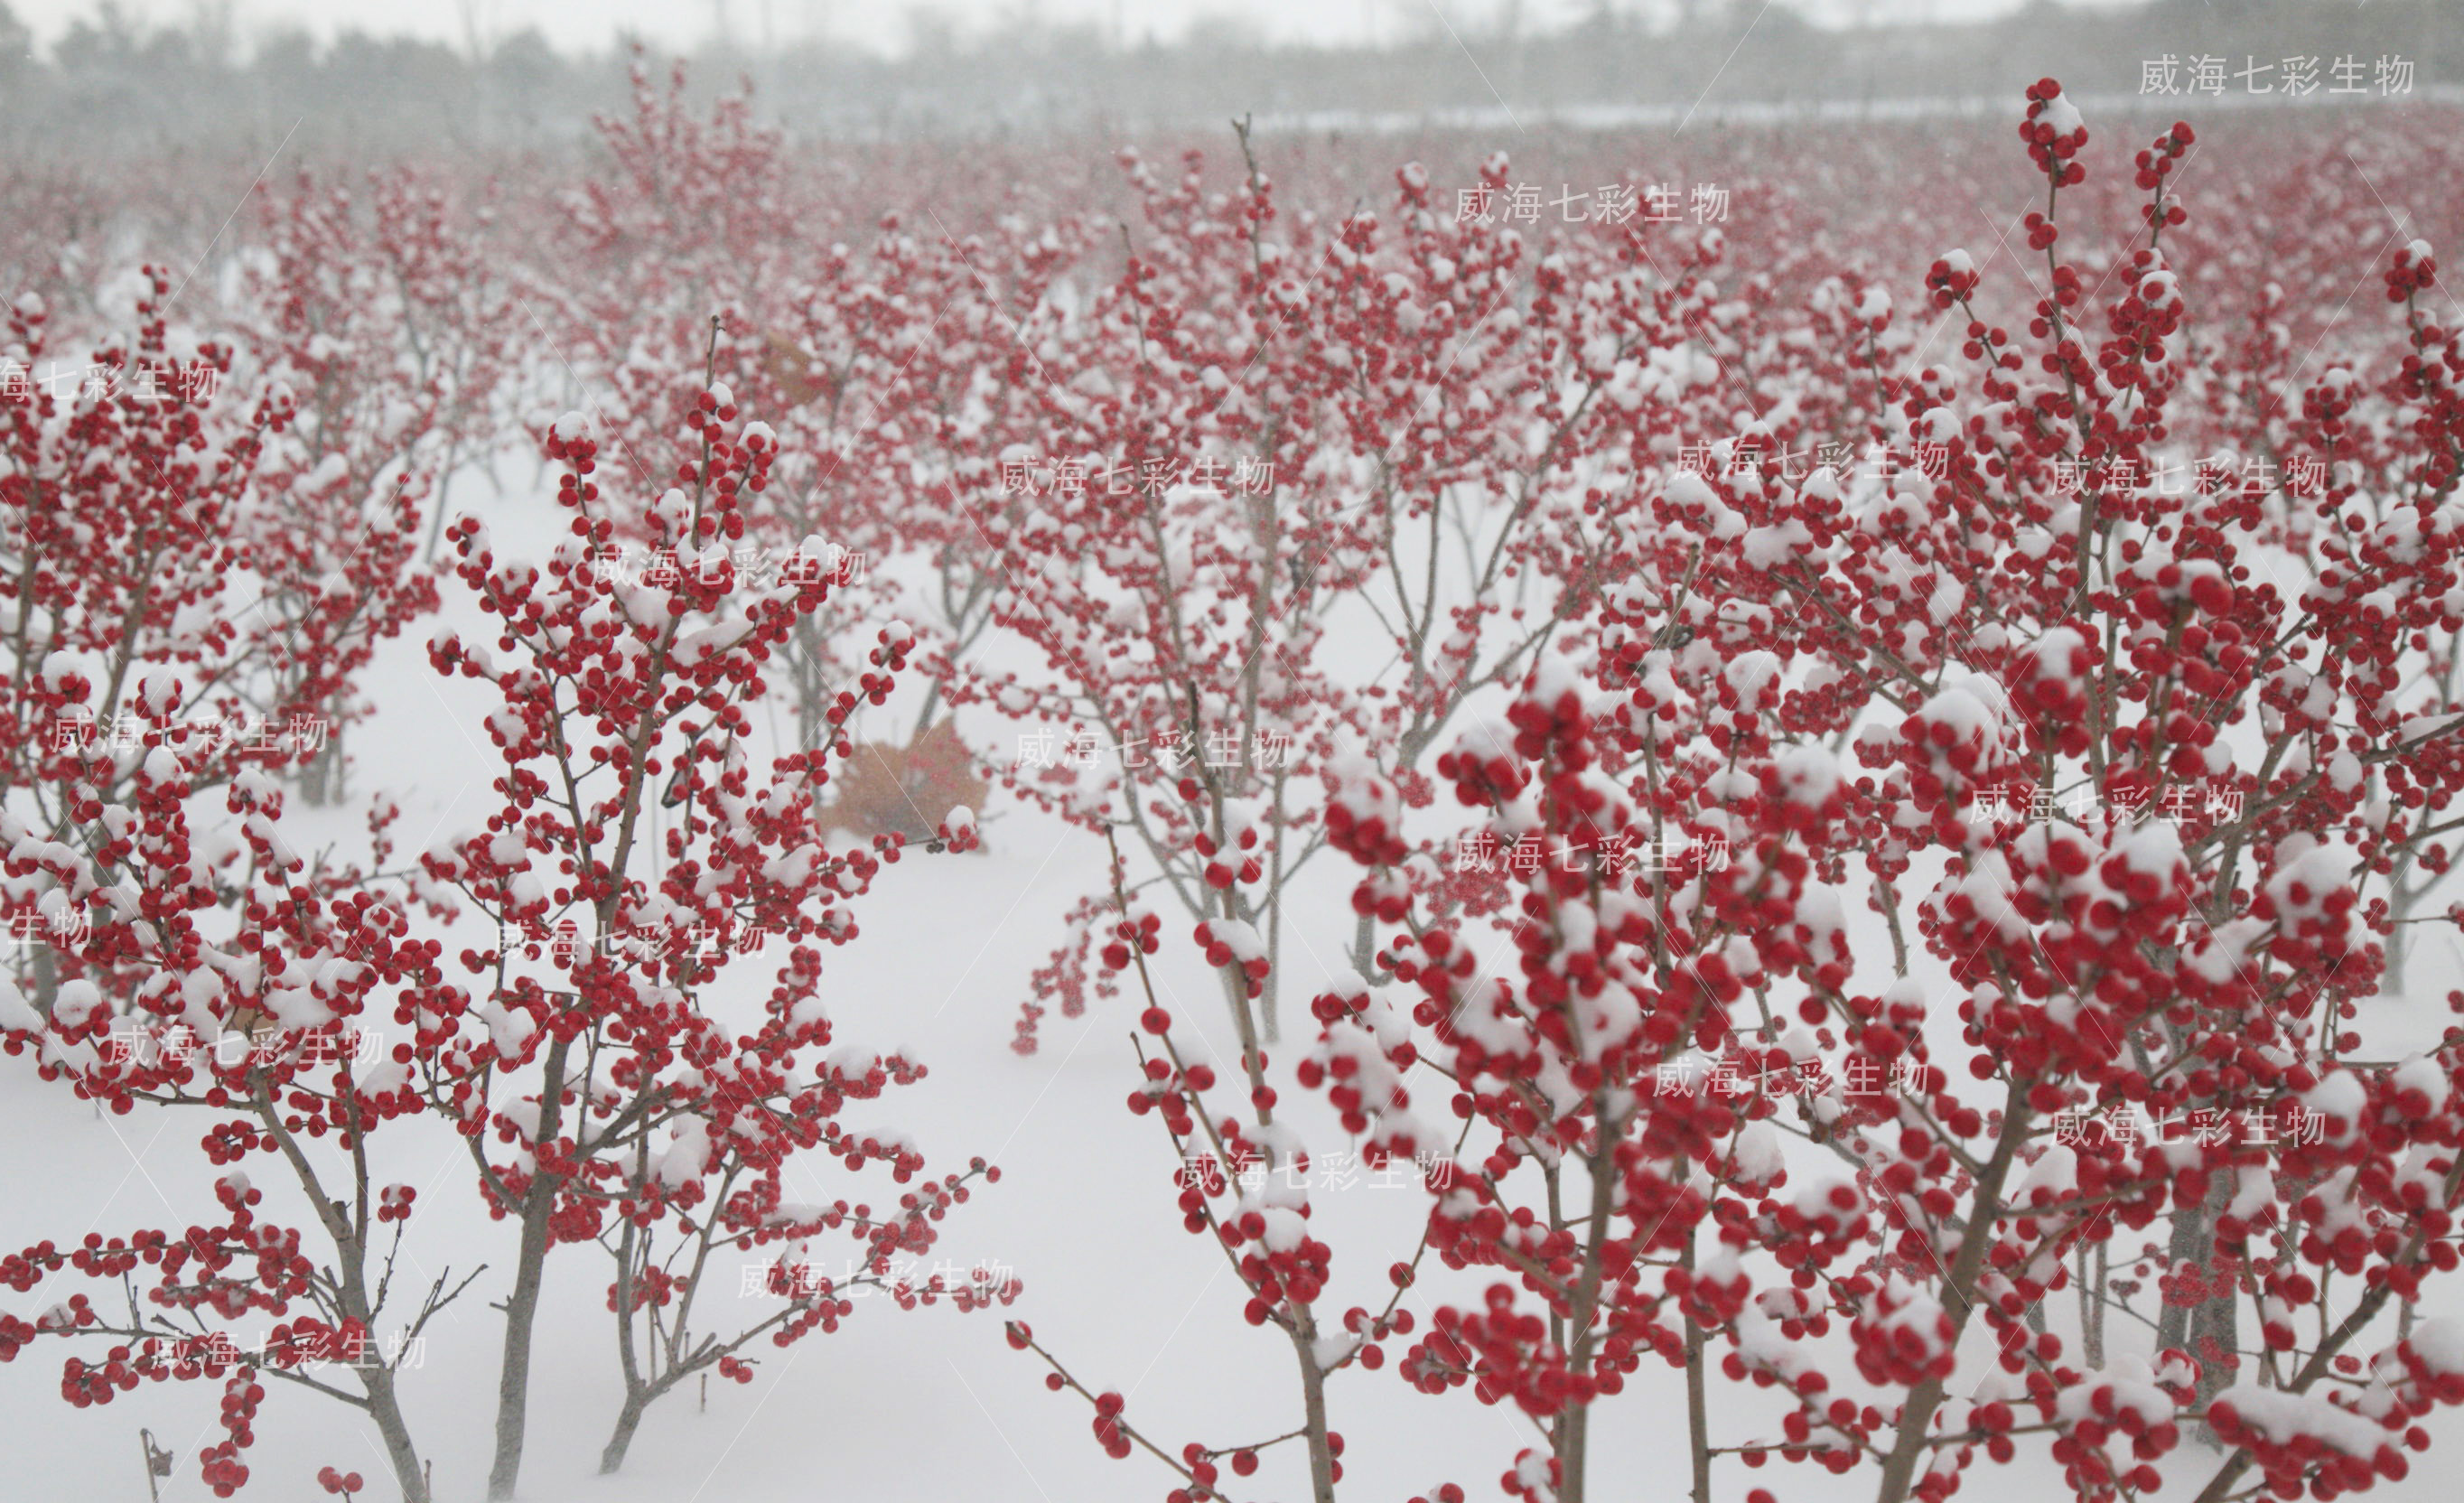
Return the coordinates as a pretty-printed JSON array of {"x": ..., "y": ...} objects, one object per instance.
[
  {"x": 1910, "y": 951},
  {"x": 640, "y": 850},
  {"x": 608, "y": 1087},
  {"x": 168, "y": 642}
]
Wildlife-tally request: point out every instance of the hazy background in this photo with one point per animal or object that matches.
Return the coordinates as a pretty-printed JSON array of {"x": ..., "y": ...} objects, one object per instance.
[
  {"x": 378, "y": 78},
  {"x": 891, "y": 26}
]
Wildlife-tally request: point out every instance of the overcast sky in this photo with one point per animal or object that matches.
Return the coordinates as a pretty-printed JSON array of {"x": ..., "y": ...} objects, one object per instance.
[{"x": 886, "y": 24}]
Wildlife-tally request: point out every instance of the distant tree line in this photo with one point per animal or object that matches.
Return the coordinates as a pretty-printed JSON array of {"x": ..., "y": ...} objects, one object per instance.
[{"x": 115, "y": 85}]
